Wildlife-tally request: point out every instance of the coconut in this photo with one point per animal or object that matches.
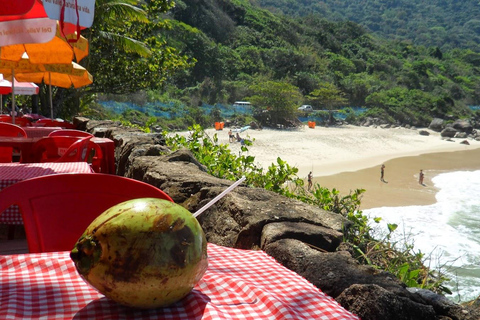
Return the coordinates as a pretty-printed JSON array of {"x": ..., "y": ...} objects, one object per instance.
[{"x": 143, "y": 253}]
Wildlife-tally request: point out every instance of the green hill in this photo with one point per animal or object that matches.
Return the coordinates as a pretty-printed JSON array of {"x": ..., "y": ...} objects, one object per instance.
[{"x": 447, "y": 24}]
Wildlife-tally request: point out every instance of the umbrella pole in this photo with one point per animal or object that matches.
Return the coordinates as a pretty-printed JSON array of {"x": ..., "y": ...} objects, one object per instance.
[
  {"x": 50, "y": 93},
  {"x": 13, "y": 96}
]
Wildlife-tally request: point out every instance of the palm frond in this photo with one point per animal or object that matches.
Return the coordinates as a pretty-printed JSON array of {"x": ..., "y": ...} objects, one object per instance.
[
  {"x": 119, "y": 10},
  {"x": 126, "y": 44}
]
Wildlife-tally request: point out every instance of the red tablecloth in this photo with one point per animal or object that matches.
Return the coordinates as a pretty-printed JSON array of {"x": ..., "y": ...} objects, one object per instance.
[
  {"x": 11, "y": 173},
  {"x": 38, "y": 132},
  {"x": 238, "y": 284}
]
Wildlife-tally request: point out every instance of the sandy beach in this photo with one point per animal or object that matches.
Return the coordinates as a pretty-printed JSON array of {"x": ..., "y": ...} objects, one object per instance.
[{"x": 349, "y": 157}]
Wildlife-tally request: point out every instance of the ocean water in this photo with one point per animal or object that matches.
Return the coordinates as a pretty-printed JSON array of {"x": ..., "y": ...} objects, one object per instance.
[{"x": 447, "y": 232}]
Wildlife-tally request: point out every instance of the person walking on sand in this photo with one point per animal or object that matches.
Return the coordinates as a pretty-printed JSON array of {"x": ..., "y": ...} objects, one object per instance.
[
  {"x": 309, "y": 178},
  {"x": 420, "y": 177},
  {"x": 382, "y": 173},
  {"x": 231, "y": 137}
]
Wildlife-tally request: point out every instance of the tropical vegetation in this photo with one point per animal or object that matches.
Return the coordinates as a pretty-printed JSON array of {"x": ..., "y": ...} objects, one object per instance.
[{"x": 221, "y": 51}]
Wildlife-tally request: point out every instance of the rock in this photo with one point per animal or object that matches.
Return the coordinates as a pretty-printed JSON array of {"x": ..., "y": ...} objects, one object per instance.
[
  {"x": 463, "y": 126},
  {"x": 331, "y": 272},
  {"x": 315, "y": 236},
  {"x": 436, "y": 125},
  {"x": 424, "y": 133},
  {"x": 445, "y": 307},
  {"x": 448, "y": 132},
  {"x": 461, "y": 135},
  {"x": 372, "y": 302},
  {"x": 465, "y": 142}
]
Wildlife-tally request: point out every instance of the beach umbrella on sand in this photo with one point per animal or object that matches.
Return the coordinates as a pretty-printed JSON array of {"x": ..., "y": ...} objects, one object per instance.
[{"x": 242, "y": 129}]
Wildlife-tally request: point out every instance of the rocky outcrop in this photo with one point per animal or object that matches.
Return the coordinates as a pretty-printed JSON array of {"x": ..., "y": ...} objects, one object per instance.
[
  {"x": 304, "y": 238},
  {"x": 463, "y": 126},
  {"x": 436, "y": 125}
]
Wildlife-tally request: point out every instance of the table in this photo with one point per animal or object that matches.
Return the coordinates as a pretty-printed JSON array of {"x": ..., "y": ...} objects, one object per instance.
[
  {"x": 39, "y": 132},
  {"x": 108, "y": 152},
  {"x": 11, "y": 173},
  {"x": 25, "y": 145},
  {"x": 238, "y": 284}
]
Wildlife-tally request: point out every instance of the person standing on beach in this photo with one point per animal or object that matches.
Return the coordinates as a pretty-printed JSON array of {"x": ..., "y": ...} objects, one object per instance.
[
  {"x": 309, "y": 178},
  {"x": 382, "y": 173},
  {"x": 420, "y": 177},
  {"x": 231, "y": 137}
]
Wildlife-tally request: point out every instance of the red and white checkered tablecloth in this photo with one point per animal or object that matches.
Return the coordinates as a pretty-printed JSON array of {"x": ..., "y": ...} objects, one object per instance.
[
  {"x": 38, "y": 132},
  {"x": 238, "y": 284},
  {"x": 11, "y": 173}
]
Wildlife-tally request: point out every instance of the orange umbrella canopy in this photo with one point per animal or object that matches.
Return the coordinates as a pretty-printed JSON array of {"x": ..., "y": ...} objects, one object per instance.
[
  {"x": 57, "y": 50},
  {"x": 64, "y": 76}
]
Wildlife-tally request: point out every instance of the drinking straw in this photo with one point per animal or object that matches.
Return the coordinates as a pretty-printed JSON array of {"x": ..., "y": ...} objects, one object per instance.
[{"x": 221, "y": 195}]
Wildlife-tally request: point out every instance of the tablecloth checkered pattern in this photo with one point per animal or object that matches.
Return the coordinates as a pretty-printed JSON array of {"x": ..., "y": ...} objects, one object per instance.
[
  {"x": 238, "y": 284},
  {"x": 11, "y": 173},
  {"x": 38, "y": 132}
]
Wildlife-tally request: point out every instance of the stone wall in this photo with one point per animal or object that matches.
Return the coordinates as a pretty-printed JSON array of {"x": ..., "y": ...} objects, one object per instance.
[{"x": 303, "y": 238}]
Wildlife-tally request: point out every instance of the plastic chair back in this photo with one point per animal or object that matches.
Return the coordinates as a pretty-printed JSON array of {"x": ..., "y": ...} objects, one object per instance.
[
  {"x": 77, "y": 152},
  {"x": 70, "y": 133},
  {"x": 54, "y": 123},
  {"x": 9, "y": 130},
  {"x": 51, "y": 149},
  {"x": 56, "y": 209},
  {"x": 23, "y": 122}
]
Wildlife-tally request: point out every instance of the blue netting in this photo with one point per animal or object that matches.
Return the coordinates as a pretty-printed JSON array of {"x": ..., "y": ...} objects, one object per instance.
[{"x": 172, "y": 110}]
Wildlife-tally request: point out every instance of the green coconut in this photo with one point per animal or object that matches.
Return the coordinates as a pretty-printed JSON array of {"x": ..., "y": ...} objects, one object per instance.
[{"x": 143, "y": 253}]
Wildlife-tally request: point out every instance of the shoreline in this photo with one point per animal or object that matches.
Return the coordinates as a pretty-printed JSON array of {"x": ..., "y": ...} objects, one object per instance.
[
  {"x": 402, "y": 187},
  {"x": 349, "y": 157}
]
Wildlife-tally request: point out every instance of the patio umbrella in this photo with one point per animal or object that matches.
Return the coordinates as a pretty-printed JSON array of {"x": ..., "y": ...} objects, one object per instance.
[
  {"x": 9, "y": 7},
  {"x": 60, "y": 75},
  {"x": 22, "y": 88},
  {"x": 21, "y": 19},
  {"x": 57, "y": 50}
]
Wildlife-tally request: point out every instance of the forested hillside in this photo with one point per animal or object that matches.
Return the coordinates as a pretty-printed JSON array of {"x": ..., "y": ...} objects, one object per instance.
[
  {"x": 241, "y": 51},
  {"x": 447, "y": 24}
]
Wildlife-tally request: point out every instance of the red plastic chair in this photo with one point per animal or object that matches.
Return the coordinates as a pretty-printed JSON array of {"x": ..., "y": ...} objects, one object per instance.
[
  {"x": 9, "y": 130},
  {"x": 70, "y": 133},
  {"x": 52, "y": 149},
  {"x": 23, "y": 122},
  {"x": 56, "y": 209},
  {"x": 54, "y": 123}
]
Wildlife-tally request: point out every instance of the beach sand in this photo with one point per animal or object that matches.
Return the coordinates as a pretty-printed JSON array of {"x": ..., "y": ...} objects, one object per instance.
[{"x": 349, "y": 157}]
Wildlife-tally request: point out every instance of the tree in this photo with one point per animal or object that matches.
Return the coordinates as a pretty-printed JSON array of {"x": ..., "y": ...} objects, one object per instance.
[
  {"x": 328, "y": 95},
  {"x": 275, "y": 102},
  {"x": 127, "y": 50}
]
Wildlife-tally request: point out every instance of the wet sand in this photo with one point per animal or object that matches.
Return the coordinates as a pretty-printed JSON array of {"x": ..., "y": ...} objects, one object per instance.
[{"x": 401, "y": 175}]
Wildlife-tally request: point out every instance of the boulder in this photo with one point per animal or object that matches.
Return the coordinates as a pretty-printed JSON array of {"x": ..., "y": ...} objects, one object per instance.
[
  {"x": 436, "y": 125},
  {"x": 372, "y": 302},
  {"x": 448, "y": 132},
  {"x": 463, "y": 126},
  {"x": 424, "y": 133}
]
